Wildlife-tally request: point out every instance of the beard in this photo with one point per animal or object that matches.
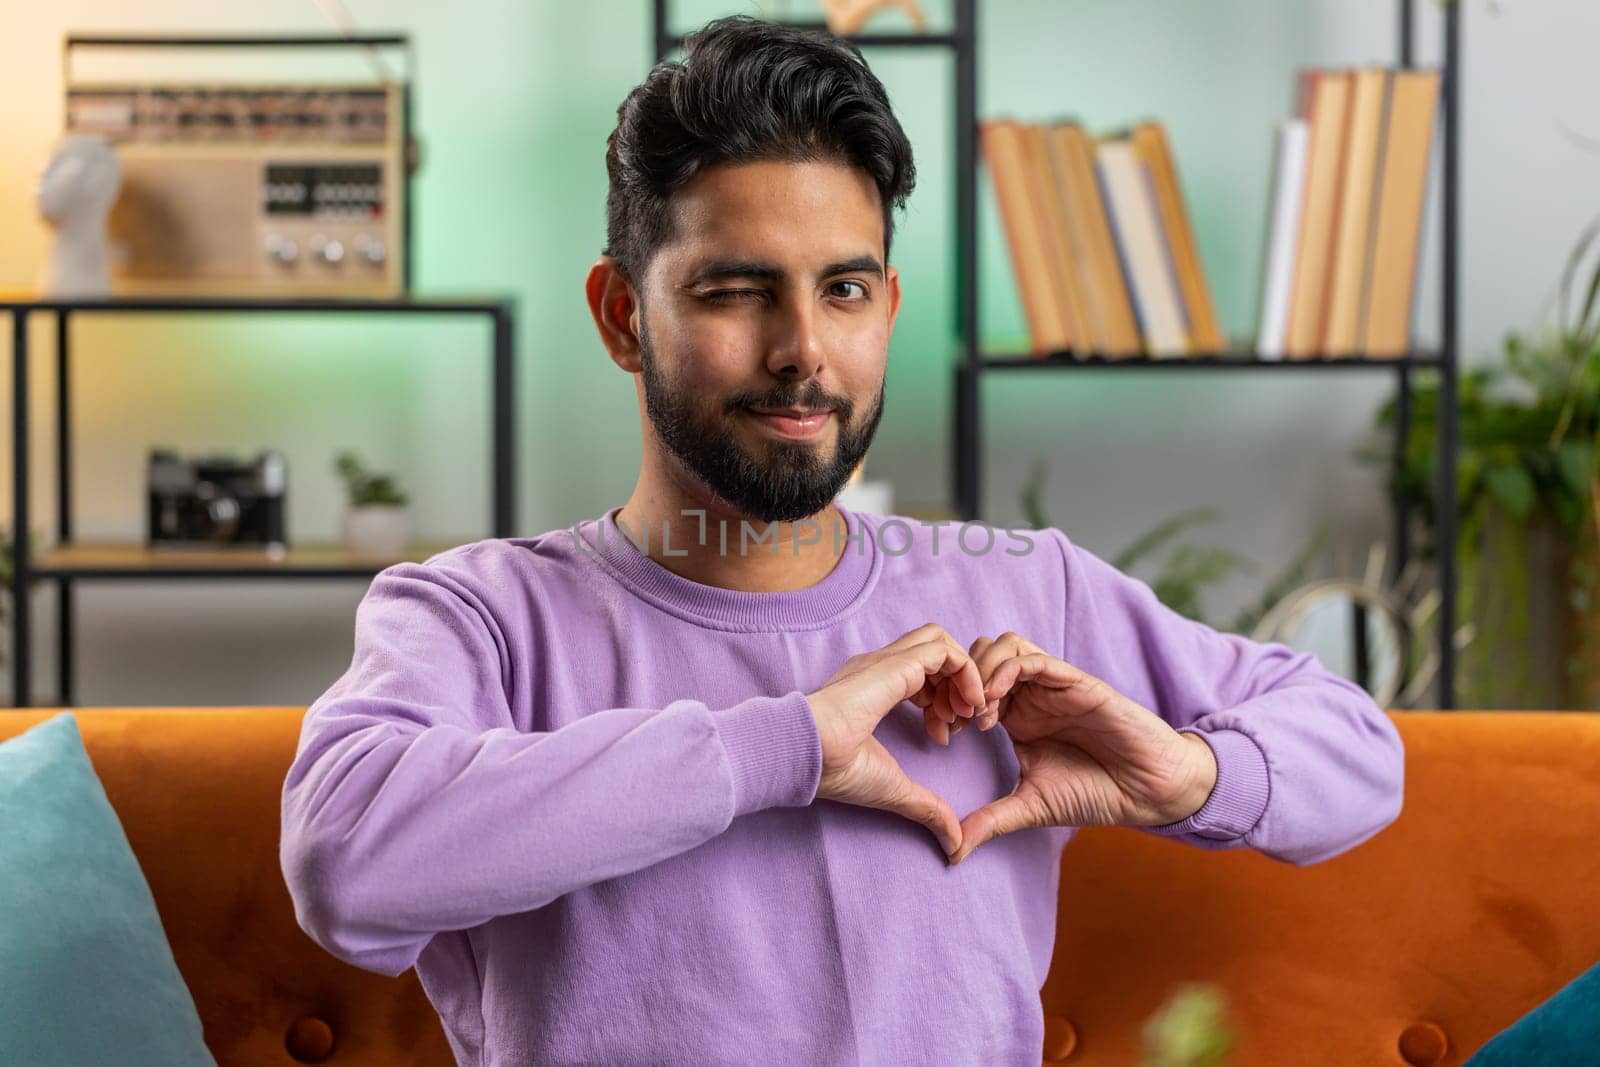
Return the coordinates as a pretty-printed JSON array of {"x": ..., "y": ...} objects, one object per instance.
[{"x": 781, "y": 481}]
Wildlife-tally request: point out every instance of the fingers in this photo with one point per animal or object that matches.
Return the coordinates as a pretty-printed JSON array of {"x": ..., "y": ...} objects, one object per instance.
[
  {"x": 920, "y": 804},
  {"x": 928, "y": 631},
  {"x": 993, "y": 653},
  {"x": 943, "y": 659},
  {"x": 1003, "y": 816},
  {"x": 1087, "y": 691},
  {"x": 968, "y": 683},
  {"x": 937, "y": 728},
  {"x": 961, "y": 685},
  {"x": 946, "y": 696},
  {"x": 988, "y": 654}
]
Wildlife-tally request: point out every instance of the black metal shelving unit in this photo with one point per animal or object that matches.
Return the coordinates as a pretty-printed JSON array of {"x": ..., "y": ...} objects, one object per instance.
[
  {"x": 974, "y": 362},
  {"x": 66, "y": 568}
]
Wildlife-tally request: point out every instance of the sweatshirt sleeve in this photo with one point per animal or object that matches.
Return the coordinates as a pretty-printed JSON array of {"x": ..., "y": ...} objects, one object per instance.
[
  {"x": 1308, "y": 765},
  {"x": 414, "y": 805}
]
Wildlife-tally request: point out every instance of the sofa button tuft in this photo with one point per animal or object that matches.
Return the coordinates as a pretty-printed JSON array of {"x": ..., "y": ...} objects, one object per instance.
[
  {"x": 309, "y": 1040},
  {"x": 1423, "y": 1044},
  {"x": 1060, "y": 1038}
]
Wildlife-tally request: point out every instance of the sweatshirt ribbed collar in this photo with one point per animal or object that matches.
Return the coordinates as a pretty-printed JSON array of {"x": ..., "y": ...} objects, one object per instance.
[{"x": 817, "y": 605}]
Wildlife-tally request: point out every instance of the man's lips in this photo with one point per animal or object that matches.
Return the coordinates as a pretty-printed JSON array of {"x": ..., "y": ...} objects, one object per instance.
[{"x": 792, "y": 422}]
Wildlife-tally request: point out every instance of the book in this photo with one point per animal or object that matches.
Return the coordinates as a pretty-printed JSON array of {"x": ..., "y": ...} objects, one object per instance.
[
  {"x": 1112, "y": 323},
  {"x": 1325, "y": 97},
  {"x": 1136, "y": 226},
  {"x": 1283, "y": 231},
  {"x": 1001, "y": 141},
  {"x": 1151, "y": 143},
  {"x": 1064, "y": 271},
  {"x": 1402, "y": 183},
  {"x": 1352, "y": 224}
]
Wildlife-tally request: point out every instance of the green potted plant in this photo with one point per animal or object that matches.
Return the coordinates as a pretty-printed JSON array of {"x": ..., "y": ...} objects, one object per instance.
[
  {"x": 1188, "y": 569},
  {"x": 1192, "y": 1028},
  {"x": 1526, "y": 489},
  {"x": 8, "y": 564},
  {"x": 377, "y": 521}
]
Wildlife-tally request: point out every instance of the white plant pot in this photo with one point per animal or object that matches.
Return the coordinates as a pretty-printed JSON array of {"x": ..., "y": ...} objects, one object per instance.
[{"x": 376, "y": 531}]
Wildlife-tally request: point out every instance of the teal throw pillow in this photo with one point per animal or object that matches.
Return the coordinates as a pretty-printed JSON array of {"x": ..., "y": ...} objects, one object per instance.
[
  {"x": 86, "y": 973},
  {"x": 1564, "y": 1031}
]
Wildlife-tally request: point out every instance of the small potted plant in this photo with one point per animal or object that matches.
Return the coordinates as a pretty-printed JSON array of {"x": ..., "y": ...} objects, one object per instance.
[
  {"x": 8, "y": 564},
  {"x": 377, "y": 522}
]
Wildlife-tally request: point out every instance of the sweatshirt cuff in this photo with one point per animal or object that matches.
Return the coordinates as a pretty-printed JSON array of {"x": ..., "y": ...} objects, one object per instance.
[
  {"x": 1238, "y": 799},
  {"x": 774, "y": 751}
]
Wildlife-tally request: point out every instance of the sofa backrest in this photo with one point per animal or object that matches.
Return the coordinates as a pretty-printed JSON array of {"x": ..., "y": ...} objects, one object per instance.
[
  {"x": 1417, "y": 946},
  {"x": 197, "y": 790},
  {"x": 1474, "y": 906}
]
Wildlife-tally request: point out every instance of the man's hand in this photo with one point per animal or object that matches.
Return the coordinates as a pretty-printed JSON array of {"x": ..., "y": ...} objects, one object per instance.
[
  {"x": 926, "y": 666},
  {"x": 1089, "y": 756}
]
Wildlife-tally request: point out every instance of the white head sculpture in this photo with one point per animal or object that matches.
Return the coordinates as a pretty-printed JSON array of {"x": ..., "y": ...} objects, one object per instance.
[{"x": 75, "y": 195}]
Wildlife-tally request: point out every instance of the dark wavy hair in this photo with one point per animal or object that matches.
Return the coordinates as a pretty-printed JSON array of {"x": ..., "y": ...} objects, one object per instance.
[{"x": 747, "y": 90}]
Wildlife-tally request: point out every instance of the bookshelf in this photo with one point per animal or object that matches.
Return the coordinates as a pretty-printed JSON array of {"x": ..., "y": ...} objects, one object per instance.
[
  {"x": 72, "y": 560},
  {"x": 974, "y": 363}
]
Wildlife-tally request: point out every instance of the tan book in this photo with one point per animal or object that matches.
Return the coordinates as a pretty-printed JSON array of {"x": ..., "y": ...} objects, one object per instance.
[
  {"x": 1116, "y": 330},
  {"x": 1004, "y": 151},
  {"x": 1155, "y": 151},
  {"x": 1327, "y": 94},
  {"x": 1397, "y": 231},
  {"x": 1063, "y": 265},
  {"x": 1136, "y": 223},
  {"x": 1352, "y": 225},
  {"x": 1092, "y": 332}
]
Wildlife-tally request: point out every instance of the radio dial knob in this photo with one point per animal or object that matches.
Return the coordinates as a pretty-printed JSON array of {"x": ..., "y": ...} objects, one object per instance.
[
  {"x": 282, "y": 250},
  {"x": 373, "y": 251},
  {"x": 331, "y": 252}
]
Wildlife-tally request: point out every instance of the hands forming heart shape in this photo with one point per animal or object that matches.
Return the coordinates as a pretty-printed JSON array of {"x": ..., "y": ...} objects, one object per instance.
[{"x": 1087, "y": 755}]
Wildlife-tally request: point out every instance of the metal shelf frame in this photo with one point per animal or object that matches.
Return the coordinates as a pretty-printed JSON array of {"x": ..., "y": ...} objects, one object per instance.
[{"x": 499, "y": 310}]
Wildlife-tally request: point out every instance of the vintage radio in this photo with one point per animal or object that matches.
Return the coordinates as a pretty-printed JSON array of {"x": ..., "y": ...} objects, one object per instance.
[{"x": 251, "y": 188}]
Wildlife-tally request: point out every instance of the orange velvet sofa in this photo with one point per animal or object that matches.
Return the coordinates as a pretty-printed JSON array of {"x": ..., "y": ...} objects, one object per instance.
[{"x": 1415, "y": 947}]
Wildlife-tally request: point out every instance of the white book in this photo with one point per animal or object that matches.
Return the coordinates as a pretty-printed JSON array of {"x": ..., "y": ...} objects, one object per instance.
[
  {"x": 1136, "y": 223},
  {"x": 1283, "y": 236}
]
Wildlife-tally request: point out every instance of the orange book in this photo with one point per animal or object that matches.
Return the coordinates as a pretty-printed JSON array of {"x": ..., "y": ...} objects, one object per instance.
[
  {"x": 1004, "y": 151},
  {"x": 1397, "y": 231},
  {"x": 1352, "y": 226},
  {"x": 1064, "y": 268},
  {"x": 1327, "y": 94},
  {"x": 1089, "y": 232},
  {"x": 1205, "y": 333}
]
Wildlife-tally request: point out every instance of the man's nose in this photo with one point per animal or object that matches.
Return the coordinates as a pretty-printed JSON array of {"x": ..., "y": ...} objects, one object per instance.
[{"x": 794, "y": 348}]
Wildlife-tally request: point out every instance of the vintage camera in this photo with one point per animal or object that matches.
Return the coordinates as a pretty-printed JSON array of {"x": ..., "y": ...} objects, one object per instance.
[{"x": 217, "y": 500}]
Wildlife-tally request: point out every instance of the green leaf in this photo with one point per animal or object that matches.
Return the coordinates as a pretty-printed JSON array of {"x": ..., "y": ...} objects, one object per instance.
[
  {"x": 1033, "y": 497},
  {"x": 1511, "y": 487},
  {"x": 1160, "y": 534},
  {"x": 1581, "y": 327},
  {"x": 1569, "y": 273},
  {"x": 1573, "y": 461},
  {"x": 1469, "y": 472}
]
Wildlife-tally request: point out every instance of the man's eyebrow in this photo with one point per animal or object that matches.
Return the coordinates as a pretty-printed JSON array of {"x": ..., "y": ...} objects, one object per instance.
[{"x": 724, "y": 269}]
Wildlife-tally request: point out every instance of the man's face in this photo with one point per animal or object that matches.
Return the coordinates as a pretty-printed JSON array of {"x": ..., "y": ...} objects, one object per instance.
[{"x": 773, "y": 295}]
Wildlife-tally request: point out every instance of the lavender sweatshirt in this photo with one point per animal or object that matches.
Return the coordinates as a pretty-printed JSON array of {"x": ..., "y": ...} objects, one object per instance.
[{"x": 576, "y": 792}]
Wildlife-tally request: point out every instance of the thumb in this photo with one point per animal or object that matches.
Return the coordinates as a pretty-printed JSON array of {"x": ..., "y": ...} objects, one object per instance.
[
  {"x": 998, "y": 817},
  {"x": 922, "y": 805}
]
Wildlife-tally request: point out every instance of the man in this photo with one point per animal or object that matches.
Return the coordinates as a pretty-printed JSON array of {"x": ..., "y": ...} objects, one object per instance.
[{"x": 731, "y": 774}]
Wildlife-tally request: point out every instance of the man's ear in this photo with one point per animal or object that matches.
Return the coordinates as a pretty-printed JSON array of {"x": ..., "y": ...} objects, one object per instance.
[
  {"x": 615, "y": 307},
  {"x": 892, "y": 276}
]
